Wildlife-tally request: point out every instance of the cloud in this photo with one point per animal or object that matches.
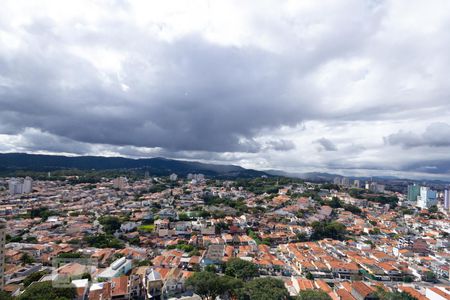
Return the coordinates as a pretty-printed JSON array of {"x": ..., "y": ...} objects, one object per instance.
[
  {"x": 435, "y": 135},
  {"x": 326, "y": 144},
  {"x": 180, "y": 80},
  {"x": 280, "y": 145}
]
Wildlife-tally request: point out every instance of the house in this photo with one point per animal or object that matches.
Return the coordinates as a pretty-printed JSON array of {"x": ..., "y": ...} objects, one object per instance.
[
  {"x": 100, "y": 291},
  {"x": 153, "y": 284},
  {"x": 361, "y": 291},
  {"x": 438, "y": 293},
  {"x": 82, "y": 288},
  {"x": 120, "y": 288},
  {"x": 117, "y": 268},
  {"x": 302, "y": 284},
  {"x": 214, "y": 254}
]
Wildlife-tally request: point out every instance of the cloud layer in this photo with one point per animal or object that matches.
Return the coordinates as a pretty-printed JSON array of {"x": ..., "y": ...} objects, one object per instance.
[{"x": 349, "y": 86}]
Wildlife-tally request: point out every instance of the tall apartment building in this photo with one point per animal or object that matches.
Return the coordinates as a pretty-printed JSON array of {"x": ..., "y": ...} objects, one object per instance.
[
  {"x": 27, "y": 185},
  {"x": 120, "y": 183},
  {"x": 447, "y": 199},
  {"x": 427, "y": 197},
  {"x": 19, "y": 186},
  {"x": 2, "y": 251},
  {"x": 413, "y": 192}
]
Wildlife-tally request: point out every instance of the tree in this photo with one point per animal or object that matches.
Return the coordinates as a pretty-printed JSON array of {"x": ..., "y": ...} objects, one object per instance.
[
  {"x": 433, "y": 209},
  {"x": 375, "y": 231},
  {"x": 33, "y": 277},
  {"x": 264, "y": 288},
  {"x": 5, "y": 296},
  {"x": 245, "y": 270},
  {"x": 110, "y": 223},
  {"x": 26, "y": 259},
  {"x": 313, "y": 295},
  {"x": 430, "y": 276},
  {"x": 87, "y": 276},
  {"x": 385, "y": 295},
  {"x": 69, "y": 255},
  {"x": 335, "y": 202},
  {"x": 183, "y": 217},
  {"x": 103, "y": 241},
  {"x": 334, "y": 230},
  {"x": 302, "y": 237},
  {"x": 45, "y": 290},
  {"x": 209, "y": 285},
  {"x": 309, "y": 276}
]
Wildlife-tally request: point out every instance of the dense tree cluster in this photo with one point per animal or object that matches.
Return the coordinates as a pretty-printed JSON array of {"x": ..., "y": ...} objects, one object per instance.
[
  {"x": 313, "y": 295},
  {"x": 110, "y": 223},
  {"x": 327, "y": 229},
  {"x": 241, "y": 269},
  {"x": 103, "y": 241},
  {"x": 209, "y": 285},
  {"x": 45, "y": 290}
]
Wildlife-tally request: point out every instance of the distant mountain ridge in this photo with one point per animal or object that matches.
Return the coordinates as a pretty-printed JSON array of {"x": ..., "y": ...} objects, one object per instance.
[
  {"x": 322, "y": 176},
  {"x": 10, "y": 162}
]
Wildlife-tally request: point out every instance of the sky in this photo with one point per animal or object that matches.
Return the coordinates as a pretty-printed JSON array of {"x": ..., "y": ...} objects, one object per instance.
[{"x": 353, "y": 87}]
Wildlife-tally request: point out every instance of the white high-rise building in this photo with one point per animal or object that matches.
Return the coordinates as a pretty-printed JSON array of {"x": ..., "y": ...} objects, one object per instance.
[
  {"x": 427, "y": 197},
  {"x": 337, "y": 180},
  {"x": 2, "y": 252},
  {"x": 19, "y": 186},
  {"x": 447, "y": 199},
  {"x": 173, "y": 177},
  {"x": 27, "y": 185},
  {"x": 345, "y": 181},
  {"x": 15, "y": 186}
]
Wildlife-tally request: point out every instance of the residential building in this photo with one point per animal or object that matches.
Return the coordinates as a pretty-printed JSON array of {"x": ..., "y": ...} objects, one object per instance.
[
  {"x": 118, "y": 268},
  {"x": 447, "y": 199},
  {"x": 2, "y": 251},
  {"x": 413, "y": 192},
  {"x": 19, "y": 186},
  {"x": 153, "y": 284},
  {"x": 427, "y": 197},
  {"x": 27, "y": 185},
  {"x": 120, "y": 183}
]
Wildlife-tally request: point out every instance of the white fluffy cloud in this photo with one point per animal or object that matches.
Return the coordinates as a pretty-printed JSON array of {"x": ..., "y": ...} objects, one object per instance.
[{"x": 266, "y": 84}]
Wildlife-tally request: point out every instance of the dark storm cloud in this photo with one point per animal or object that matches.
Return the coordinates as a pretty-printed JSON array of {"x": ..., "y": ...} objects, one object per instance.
[
  {"x": 326, "y": 144},
  {"x": 189, "y": 95},
  {"x": 431, "y": 167},
  {"x": 435, "y": 135},
  {"x": 34, "y": 140},
  {"x": 186, "y": 81}
]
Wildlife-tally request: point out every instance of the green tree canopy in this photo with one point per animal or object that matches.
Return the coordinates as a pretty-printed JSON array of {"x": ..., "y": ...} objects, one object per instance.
[
  {"x": 33, "y": 277},
  {"x": 26, "y": 259},
  {"x": 264, "y": 288},
  {"x": 110, "y": 223},
  {"x": 385, "y": 295},
  {"x": 241, "y": 269},
  {"x": 334, "y": 230},
  {"x": 45, "y": 291},
  {"x": 209, "y": 285},
  {"x": 313, "y": 295},
  {"x": 103, "y": 241},
  {"x": 5, "y": 296}
]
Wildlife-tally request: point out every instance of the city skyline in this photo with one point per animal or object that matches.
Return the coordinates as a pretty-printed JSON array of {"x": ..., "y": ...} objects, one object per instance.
[{"x": 351, "y": 87}]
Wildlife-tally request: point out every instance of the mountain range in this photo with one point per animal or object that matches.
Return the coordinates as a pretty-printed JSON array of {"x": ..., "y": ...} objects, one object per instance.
[{"x": 12, "y": 162}]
